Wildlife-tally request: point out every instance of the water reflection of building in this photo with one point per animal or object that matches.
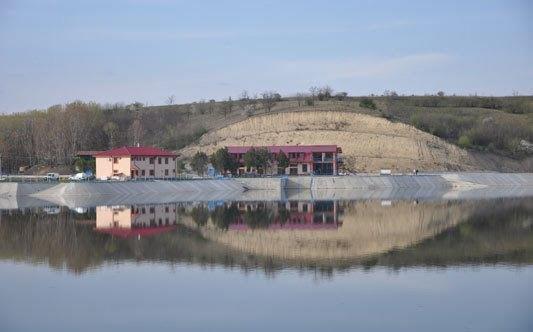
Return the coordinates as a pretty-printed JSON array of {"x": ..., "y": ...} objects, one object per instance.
[
  {"x": 288, "y": 215},
  {"x": 138, "y": 220}
]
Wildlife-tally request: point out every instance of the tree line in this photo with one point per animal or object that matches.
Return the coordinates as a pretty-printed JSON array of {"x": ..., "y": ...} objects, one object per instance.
[
  {"x": 53, "y": 136},
  {"x": 258, "y": 159}
]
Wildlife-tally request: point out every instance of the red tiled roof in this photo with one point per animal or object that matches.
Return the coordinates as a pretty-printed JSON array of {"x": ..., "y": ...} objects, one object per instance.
[
  {"x": 286, "y": 148},
  {"x": 135, "y": 151}
]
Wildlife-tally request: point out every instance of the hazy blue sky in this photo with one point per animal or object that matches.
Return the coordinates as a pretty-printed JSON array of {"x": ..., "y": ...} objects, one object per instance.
[{"x": 126, "y": 50}]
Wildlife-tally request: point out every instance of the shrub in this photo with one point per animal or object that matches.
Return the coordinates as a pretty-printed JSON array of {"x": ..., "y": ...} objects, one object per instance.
[
  {"x": 367, "y": 103},
  {"x": 464, "y": 142}
]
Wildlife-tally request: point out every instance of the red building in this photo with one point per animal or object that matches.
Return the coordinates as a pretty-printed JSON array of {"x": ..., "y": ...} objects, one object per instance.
[
  {"x": 297, "y": 215},
  {"x": 303, "y": 159}
]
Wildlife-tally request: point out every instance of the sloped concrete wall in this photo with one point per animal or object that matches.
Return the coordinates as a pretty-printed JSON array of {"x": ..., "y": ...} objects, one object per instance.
[
  {"x": 375, "y": 182},
  {"x": 262, "y": 183},
  {"x": 492, "y": 179},
  {"x": 133, "y": 188}
]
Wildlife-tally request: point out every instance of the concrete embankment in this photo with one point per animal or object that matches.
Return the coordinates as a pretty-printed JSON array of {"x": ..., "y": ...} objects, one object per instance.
[
  {"x": 339, "y": 187},
  {"x": 190, "y": 187}
]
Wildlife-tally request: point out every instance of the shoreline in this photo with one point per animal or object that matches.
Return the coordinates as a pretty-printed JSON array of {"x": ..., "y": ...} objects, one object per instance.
[
  {"x": 391, "y": 187},
  {"x": 458, "y": 180}
]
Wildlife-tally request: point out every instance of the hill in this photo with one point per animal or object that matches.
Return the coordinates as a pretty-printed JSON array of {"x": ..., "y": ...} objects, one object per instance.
[
  {"x": 496, "y": 131},
  {"x": 369, "y": 143}
]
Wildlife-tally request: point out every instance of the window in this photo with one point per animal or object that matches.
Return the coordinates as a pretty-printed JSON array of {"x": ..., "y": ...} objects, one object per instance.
[
  {"x": 152, "y": 161},
  {"x": 152, "y": 209},
  {"x": 166, "y": 172},
  {"x": 115, "y": 160},
  {"x": 159, "y": 160},
  {"x": 304, "y": 168},
  {"x": 166, "y": 209},
  {"x": 143, "y": 172},
  {"x": 166, "y": 160},
  {"x": 143, "y": 210},
  {"x": 152, "y": 172}
]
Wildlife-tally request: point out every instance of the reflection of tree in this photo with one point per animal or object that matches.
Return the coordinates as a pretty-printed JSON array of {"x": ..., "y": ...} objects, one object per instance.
[
  {"x": 224, "y": 215},
  {"x": 261, "y": 217},
  {"x": 283, "y": 213},
  {"x": 200, "y": 215}
]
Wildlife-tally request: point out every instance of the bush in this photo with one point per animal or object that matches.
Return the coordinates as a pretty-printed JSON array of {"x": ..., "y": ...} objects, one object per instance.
[
  {"x": 367, "y": 103},
  {"x": 464, "y": 142}
]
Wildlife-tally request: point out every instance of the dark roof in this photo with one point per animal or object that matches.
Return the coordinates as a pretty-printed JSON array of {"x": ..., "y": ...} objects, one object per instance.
[
  {"x": 136, "y": 151},
  {"x": 88, "y": 153},
  {"x": 286, "y": 148}
]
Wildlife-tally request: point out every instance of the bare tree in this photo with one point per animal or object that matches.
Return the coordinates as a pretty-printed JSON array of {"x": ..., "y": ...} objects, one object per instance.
[
  {"x": 300, "y": 97},
  {"x": 325, "y": 93},
  {"x": 211, "y": 106},
  {"x": 253, "y": 102},
  {"x": 201, "y": 106},
  {"x": 268, "y": 99},
  {"x": 136, "y": 131},
  {"x": 244, "y": 100},
  {"x": 313, "y": 91},
  {"x": 171, "y": 99},
  {"x": 227, "y": 106}
]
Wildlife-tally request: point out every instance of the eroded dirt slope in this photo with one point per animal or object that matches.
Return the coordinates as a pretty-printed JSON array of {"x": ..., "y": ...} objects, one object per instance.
[{"x": 368, "y": 143}]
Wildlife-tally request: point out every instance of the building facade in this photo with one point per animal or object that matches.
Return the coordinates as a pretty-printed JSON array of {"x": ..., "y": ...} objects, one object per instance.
[
  {"x": 303, "y": 159},
  {"x": 135, "y": 162}
]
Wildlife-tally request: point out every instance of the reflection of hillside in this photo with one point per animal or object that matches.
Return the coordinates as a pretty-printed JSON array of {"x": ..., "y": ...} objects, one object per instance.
[
  {"x": 499, "y": 232},
  {"x": 404, "y": 234},
  {"x": 368, "y": 228}
]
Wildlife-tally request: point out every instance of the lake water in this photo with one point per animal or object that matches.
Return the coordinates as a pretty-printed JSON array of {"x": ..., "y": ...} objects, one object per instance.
[{"x": 369, "y": 265}]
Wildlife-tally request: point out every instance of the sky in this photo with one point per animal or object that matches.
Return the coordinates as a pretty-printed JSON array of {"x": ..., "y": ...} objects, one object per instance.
[{"x": 107, "y": 51}]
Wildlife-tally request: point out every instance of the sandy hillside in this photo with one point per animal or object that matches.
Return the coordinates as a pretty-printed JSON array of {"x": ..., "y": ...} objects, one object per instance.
[{"x": 368, "y": 143}]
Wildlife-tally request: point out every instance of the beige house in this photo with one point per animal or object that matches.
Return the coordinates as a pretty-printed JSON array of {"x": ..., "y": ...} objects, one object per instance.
[{"x": 136, "y": 162}]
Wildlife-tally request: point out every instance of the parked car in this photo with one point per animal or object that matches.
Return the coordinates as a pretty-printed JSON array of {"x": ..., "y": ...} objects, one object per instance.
[
  {"x": 80, "y": 177},
  {"x": 52, "y": 177}
]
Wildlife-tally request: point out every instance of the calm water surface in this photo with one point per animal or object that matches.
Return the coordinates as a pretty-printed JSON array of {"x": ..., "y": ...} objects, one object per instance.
[{"x": 368, "y": 265}]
